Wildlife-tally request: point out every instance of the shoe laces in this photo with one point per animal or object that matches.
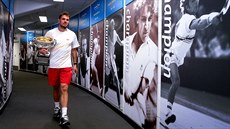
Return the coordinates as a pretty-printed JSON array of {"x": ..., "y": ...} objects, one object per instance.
[{"x": 56, "y": 109}]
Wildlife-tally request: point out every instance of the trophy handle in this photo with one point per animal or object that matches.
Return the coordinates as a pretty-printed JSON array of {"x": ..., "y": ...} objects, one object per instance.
[
  {"x": 33, "y": 42},
  {"x": 48, "y": 54}
]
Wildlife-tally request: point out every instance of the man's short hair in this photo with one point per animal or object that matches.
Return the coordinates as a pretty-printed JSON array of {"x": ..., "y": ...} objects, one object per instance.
[{"x": 64, "y": 13}]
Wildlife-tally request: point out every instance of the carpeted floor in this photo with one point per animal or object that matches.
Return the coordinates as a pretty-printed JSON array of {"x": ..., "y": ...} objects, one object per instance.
[{"x": 31, "y": 106}]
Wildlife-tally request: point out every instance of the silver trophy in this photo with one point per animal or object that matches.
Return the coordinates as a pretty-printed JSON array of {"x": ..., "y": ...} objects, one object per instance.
[{"x": 43, "y": 42}]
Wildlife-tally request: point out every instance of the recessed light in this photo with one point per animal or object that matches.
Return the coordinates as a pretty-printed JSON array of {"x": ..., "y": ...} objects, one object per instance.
[
  {"x": 21, "y": 29},
  {"x": 43, "y": 18},
  {"x": 58, "y": 0}
]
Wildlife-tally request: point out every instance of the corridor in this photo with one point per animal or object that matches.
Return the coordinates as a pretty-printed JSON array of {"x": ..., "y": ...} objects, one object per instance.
[{"x": 31, "y": 107}]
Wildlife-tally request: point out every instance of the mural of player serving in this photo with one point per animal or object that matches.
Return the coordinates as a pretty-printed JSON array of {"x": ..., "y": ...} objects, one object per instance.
[{"x": 190, "y": 27}]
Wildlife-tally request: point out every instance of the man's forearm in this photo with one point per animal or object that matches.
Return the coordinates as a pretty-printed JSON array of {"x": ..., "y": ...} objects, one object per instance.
[
  {"x": 204, "y": 21},
  {"x": 74, "y": 55}
]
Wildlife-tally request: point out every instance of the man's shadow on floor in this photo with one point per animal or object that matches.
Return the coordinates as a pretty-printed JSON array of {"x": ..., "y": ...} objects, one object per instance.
[{"x": 64, "y": 126}]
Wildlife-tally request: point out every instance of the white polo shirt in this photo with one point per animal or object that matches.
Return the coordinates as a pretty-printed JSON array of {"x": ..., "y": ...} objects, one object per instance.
[
  {"x": 183, "y": 38},
  {"x": 60, "y": 56}
]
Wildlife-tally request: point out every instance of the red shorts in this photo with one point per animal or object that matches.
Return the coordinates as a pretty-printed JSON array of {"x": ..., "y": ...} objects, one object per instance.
[{"x": 57, "y": 76}]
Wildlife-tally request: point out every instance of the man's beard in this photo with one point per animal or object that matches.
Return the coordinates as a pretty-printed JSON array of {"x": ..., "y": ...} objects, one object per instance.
[{"x": 64, "y": 27}]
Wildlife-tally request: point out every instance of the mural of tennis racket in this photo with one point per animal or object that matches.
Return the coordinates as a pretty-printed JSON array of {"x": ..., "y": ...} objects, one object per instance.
[{"x": 225, "y": 8}]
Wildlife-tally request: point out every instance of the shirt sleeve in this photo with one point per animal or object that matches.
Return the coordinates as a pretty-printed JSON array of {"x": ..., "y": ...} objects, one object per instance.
[
  {"x": 183, "y": 29},
  {"x": 48, "y": 34},
  {"x": 75, "y": 43}
]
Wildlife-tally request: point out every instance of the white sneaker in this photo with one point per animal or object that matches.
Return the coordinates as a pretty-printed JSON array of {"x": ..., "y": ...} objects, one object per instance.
[{"x": 64, "y": 120}]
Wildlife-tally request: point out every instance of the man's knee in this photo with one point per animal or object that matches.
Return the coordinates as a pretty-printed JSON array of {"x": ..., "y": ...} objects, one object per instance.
[{"x": 64, "y": 88}]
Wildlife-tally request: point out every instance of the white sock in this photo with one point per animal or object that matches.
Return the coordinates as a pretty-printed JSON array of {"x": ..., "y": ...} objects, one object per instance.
[
  {"x": 57, "y": 105},
  {"x": 64, "y": 111}
]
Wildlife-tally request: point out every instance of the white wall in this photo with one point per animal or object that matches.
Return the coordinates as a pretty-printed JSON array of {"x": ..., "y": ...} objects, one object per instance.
[{"x": 16, "y": 58}]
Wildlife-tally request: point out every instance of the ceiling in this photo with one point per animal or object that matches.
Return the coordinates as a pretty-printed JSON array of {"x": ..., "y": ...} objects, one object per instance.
[{"x": 27, "y": 12}]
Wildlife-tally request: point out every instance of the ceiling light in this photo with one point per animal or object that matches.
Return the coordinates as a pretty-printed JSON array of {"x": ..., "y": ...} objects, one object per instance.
[
  {"x": 58, "y": 0},
  {"x": 21, "y": 29},
  {"x": 43, "y": 18}
]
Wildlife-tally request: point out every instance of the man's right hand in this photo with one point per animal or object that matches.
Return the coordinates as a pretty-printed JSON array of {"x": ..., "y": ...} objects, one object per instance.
[{"x": 43, "y": 51}]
